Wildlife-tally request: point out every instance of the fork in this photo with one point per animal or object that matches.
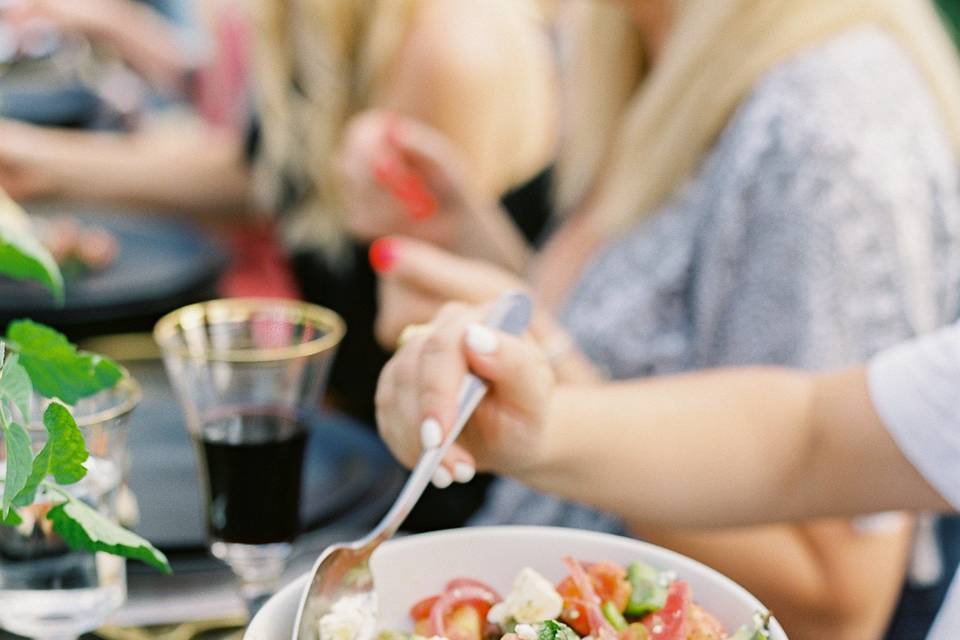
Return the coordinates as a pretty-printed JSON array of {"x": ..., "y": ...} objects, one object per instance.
[{"x": 343, "y": 569}]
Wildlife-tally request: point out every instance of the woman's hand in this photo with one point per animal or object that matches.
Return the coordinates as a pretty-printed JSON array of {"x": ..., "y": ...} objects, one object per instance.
[
  {"x": 141, "y": 36},
  {"x": 400, "y": 176},
  {"x": 417, "y": 278},
  {"x": 417, "y": 396}
]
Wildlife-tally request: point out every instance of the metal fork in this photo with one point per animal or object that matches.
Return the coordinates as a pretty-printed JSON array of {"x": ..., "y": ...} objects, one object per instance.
[{"x": 344, "y": 569}]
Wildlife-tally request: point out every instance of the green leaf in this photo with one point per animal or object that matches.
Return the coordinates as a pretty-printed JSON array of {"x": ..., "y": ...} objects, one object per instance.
[
  {"x": 555, "y": 630},
  {"x": 22, "y": 257},
  {"x": 62, "y": 455},
  {"x": 84, "y": 529},
  {"x": 55, "y": 366},
  {"x": 19, "y": 460},
  {"x": 15, "y": 386},
  {"x": 12, "y": 519}
]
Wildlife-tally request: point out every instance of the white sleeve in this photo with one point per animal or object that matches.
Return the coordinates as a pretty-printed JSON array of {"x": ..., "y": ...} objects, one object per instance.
[{"x": 915, "y": 388}]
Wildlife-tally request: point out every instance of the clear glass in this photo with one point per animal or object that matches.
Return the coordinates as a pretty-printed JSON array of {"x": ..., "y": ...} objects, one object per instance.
[
  {"x": 249, "y": 373},
  {"x": 48, "y": 591}
]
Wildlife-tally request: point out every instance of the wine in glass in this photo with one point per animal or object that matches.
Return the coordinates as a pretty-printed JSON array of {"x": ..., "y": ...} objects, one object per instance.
[{"x": 249, "y": 374}]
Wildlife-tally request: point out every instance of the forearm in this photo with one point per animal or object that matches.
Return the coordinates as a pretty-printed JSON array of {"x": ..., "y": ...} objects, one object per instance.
[
  {"x": 726, "y": 448},
  {"x": 203, "y": 173}
]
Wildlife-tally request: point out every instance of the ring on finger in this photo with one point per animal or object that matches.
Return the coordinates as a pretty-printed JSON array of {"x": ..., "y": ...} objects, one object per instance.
[{"x": 413, "y": 330}]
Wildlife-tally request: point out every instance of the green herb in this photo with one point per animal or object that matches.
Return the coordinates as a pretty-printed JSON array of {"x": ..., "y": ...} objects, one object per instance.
[
  {"x": 56, "y": 368},
  {"x": 22, "y": 257},
  {"x": 47, "y": 363},
  {"x": 84, "y": 528},
  {"x": 15, "y": 386},
  {"x": 18, "y": 464},
  {"x": 62, "y": 455},
  {"x": 555, "y": 630}
]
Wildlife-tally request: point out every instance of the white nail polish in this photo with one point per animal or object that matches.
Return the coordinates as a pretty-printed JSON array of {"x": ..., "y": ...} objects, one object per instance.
[
  {"x": 431, "y": 435},
  {"x": 442, "y": 478},
  {"x": 463, "y": 472},
  {"x": 481, "y": 340}
]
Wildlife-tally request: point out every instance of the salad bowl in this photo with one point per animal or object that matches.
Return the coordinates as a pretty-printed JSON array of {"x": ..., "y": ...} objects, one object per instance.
[{"x": 408, "y": 569}]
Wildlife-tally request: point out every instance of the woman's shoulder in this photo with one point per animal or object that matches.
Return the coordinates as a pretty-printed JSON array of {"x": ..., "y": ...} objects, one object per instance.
[{"x": 857, "y": 92}]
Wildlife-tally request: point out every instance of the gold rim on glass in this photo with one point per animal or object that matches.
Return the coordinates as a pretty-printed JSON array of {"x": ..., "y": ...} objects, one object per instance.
[
  {"x": 132, "y": 395},
  {"x": 239, "y": 310}
]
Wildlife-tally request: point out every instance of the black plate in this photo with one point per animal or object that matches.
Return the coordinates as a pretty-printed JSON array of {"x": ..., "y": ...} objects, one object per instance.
[
  {"x": 162, "y": 264},
  {"x": 347, "y": 465}
]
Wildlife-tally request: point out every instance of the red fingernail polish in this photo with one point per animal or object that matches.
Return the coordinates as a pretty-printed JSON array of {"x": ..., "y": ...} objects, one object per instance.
[{"x": 383, "y": 254}]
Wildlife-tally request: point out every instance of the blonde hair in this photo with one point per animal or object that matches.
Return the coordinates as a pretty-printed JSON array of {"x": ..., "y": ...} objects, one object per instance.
[
  {"x": 630, "y": 140},
  {"x": 317, "y": 63}
]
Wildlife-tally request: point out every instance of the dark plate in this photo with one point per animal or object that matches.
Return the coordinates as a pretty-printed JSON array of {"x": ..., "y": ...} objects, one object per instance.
[
  {"x": 162, "y": 264},
  {"x": 347, "y": 466}
]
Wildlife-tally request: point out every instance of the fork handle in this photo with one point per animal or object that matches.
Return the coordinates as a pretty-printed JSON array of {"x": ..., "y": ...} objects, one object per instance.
[{"x": 510, "y": 314}]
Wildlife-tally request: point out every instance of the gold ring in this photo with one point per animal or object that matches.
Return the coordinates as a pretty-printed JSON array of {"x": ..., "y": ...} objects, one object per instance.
[{"x": 413, "y": 330}]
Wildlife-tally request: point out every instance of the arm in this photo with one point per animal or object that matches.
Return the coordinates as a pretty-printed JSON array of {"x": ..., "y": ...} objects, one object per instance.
[
  {"x": 480, "y": 78},
  {"x": 170, "y": 166},
  {"x": 756, "y": 445},
  {"x": 726, "y": 447}
]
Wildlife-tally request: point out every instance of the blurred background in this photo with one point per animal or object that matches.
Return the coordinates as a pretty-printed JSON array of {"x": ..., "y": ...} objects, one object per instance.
[{"x": 174, "y": 151}]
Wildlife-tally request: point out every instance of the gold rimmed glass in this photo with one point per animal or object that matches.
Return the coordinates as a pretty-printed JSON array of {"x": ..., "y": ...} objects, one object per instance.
[
  {"x": 48, "y": 591},
  {"x": 249, "y": 374}
]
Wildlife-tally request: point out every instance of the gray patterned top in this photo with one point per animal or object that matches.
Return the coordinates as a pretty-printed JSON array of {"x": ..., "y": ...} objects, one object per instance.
[{"x": 817, "y": 231}]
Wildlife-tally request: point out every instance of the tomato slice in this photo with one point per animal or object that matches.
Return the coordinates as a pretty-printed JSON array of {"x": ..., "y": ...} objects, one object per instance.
[
  {"x": 480, "y": 598},
  {"x": 582, "y": 603},
  {"x": 421, "y": 609},
  {"x": 670, "y": 623},
  {"x": 609, "y": 583}
]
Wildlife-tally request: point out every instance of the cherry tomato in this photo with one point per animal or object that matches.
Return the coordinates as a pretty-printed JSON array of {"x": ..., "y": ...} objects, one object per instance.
[
  {"x": 421, "y": 609},
  {"x": 703, "y": 626}
]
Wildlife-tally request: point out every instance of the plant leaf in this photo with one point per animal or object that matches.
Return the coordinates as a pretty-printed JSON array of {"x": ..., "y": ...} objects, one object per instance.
[
  {"x": 62, "y": 455},
  {"x": 85, "y": 529},
  {"x": 19, "y": 461},
  {"x": 12, "y": 519},
  {"x": 15, "y": 386},
  {"x": 56, "y": 368},
  {"x": 22, "y": 257}
]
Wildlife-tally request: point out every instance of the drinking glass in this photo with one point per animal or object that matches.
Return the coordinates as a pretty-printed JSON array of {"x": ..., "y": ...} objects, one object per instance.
[
  {"x": 48, "y": 591},
  {"x": 249, "y": 373}
]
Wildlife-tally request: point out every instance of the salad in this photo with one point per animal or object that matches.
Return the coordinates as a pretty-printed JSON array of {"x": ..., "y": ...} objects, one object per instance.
[{"x": 595, "y": 601}]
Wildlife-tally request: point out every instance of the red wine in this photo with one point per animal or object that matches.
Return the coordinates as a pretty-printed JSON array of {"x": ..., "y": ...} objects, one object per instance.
[{"x": 254, "y": 464}]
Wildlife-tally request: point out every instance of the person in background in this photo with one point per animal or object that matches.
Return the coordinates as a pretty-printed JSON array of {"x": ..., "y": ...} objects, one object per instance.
[
  {"x": 750, "y": 445},
  {"x": 741, "y": 183},
  {"x": 337, "y": 84}
]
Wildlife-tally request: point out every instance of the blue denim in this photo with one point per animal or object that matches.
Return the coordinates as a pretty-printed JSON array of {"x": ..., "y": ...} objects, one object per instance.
[{"x": 918, "y": 606}]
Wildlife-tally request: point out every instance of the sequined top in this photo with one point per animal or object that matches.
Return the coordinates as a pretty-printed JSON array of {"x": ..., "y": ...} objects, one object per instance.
[{"x": 817, "y": 231}]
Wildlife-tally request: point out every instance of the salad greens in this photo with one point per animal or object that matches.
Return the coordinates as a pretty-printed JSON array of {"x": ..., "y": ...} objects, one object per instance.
[
  {"x": 648, "y": 592},
  {"x": 554, "y": 630},
  {"x": 41, "y": 360}
]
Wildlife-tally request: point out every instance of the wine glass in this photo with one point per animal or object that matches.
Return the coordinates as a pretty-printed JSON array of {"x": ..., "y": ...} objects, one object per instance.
[
  {"x": 48, "y": 591},
  {"x": 249, "y": 374}
]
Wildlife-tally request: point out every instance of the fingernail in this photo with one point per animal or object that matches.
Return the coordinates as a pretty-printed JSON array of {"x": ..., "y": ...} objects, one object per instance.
[
  {"x": 431, "y": 435},
  {"x": 387, "y": 170},
  {"x": 383, "y": 254},
  {"x": 463, "y": 472},
  {"x": 442, "y": 478},
  {"x": 481, "y": 340}
]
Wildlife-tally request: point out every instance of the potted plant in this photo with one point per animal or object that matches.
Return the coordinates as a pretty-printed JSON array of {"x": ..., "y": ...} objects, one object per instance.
[{"x": 60, "y": 543}]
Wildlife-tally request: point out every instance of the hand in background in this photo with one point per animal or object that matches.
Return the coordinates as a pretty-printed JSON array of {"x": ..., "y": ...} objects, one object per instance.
[
  {"x": 417, "y": 396},
  {"x": 140, "y": 36},
  {"x": 403, "y": 177},
  {"x": 417, "y": 279}
]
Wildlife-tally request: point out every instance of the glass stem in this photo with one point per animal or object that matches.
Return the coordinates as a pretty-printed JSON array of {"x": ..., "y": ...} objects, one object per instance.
[{"x": 259, "y": 569}]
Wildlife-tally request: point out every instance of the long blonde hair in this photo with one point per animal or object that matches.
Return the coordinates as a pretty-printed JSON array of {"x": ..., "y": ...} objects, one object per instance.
[
  {"x": 631, "y": 140},
  {"x": 317, "y": 63}
]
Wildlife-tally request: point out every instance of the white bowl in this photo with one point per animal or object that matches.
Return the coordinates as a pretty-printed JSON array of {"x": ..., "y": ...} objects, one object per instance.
[{"x": 408, "y": 569}]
